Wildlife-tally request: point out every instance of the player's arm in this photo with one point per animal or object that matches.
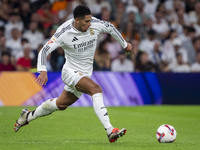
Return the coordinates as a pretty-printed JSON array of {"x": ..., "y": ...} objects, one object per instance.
[
  {"x": 50, "y": 46},
  {"x": 107, "y": 27}
]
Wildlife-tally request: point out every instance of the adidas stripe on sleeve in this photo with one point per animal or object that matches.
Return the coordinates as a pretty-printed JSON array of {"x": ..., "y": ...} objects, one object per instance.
[
  {"x": 50, "y": 46},
  {"x": 107, "y": 27}
]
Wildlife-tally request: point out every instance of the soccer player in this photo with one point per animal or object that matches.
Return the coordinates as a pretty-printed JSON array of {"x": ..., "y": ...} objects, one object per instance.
[{"x": 78, "y": 38}]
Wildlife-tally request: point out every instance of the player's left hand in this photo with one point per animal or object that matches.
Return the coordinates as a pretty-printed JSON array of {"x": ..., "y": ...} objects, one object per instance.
[{"x": 129, "y": 48}]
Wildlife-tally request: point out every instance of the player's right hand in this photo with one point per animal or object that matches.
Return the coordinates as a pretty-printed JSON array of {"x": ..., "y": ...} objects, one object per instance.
[{"x": 42, "y": 78}]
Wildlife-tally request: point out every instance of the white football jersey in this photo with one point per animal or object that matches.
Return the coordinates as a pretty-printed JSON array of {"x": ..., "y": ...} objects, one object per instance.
[{"x": 79, "y": 47}]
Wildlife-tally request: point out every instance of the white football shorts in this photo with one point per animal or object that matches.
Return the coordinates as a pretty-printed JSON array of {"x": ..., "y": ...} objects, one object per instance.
[{"x": 70, "y": 78}]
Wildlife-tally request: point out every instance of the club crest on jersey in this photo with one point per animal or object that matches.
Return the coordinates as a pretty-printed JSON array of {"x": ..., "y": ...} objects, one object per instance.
[{"x": 92, "y": 32}]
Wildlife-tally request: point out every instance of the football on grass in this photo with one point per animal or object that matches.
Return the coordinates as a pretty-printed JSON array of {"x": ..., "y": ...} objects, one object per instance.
[{"x": 166, "y": 134}]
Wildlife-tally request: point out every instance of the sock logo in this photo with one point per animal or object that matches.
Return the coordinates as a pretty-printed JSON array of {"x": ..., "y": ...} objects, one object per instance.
[
  {"x": 106, "y": 114},
  {"x": 103, "y": 107}
]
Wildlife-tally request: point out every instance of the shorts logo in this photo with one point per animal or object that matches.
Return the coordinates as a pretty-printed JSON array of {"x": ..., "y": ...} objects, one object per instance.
[
  {"x": 92, "y": 32},
  {"x": 78, "y": 72}
]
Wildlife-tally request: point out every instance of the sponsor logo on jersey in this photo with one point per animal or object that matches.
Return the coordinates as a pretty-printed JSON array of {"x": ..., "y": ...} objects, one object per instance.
[
  {"x": 92, "y": 32},
  {"x": 84, "y": 45},
  {"x": 74, "y": 39},
  {"x": 51, "y": 41}
]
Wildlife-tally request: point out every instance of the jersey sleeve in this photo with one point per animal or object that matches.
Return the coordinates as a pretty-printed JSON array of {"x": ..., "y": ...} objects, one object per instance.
[
  {"x": 107, "y": 27},
  {"x": 50, "y": 46}
]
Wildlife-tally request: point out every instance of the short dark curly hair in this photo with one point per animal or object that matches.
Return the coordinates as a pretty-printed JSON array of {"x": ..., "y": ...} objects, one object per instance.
[{"x": 80, "y": 11}]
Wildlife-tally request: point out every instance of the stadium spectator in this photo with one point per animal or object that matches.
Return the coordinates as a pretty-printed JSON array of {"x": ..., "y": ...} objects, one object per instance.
[
  {"x": 102, "y": 58},
  {"x": 132, "y": 7},
  {"x": 106, "y": 16},
  {"x": 97, "y": 6},
  {"x": 122, "y": 64},
  {"x": 129, "y": 32},
  {"x": 3, "y": 47},
  {"x": 178, "y": 17},
  {"x": 160, "y": 26},
  {"x": 33, "y": 35},
  {"x": 179, "y": 49},
  {"x": 13, "y": 22},
  {"x": 113, "y": 47},
  {"x": 147, "y": 26},
  {"x": 148, "y": 43},
  {"x": 34, "y": 60},
  {"x": 47, "y": 16},
  {"x": 194, "y": 14},
  {"x": 24, "y": 63},
  {"x": 168, "y": 47},
  {"x": 66, "y": 13},
  {"x": 6, "y": 65},
  {"x": 15, "y": 5},
  {"x": 14, "y": 43},
  {"x": 195, "y": 67},
  {"x": 196, "y": 42},
  {"x": 2, "y": 31},
  {"x": 57, "y": 59},
  {"x": 4, "y": 13},
  {"x": 133, "y": 55},
  {"x": 150, "y": 6},
  {"x": 130, "y": 17},
  {"x": 184, "y": 36},
  {"x": 120, "y": 14},
  {"x": 141, "y": 19},
  {"x": 158, "y": 57},
  {"x": 180, "y": 66},
  {"x": 80, "y": 2},
  {"x": 190, "y": 5},
  {"x": 143, "y": 64},
  {"x": 49, "y": 34},
  {"x": 188, "y": 44},
  {"x": 25, "y": 13},
  {"x": 32, "y": 53},
  {"x": 197, "y": 27},
  {"x": 168, "y": 44}
]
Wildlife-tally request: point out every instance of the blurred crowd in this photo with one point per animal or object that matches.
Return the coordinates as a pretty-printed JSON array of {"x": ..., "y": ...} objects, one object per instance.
[{"x": 165, "y": 34}]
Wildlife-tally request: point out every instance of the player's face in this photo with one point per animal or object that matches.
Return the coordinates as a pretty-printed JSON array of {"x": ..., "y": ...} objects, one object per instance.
[{"x": 84, "y": 24}]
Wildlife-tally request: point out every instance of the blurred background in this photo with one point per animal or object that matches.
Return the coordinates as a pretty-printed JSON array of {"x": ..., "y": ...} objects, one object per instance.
[{"x": 162, "y": 69}]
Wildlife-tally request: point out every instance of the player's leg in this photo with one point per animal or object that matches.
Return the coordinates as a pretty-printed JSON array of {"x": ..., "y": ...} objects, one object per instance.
[
  {"x": 61, "y": 103},
  {"x": 46, "y": 108},
  {"x": 88, "y": 86}
]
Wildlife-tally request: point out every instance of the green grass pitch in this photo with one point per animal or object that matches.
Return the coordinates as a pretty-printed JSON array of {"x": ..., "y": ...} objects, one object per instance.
[{"x": 78, "y": 128}]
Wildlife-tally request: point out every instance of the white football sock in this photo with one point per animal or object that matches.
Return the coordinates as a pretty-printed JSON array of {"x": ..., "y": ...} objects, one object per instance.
[
  {"x": 44, "y": 109},
  {"x": 101, "y": 111}
]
